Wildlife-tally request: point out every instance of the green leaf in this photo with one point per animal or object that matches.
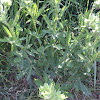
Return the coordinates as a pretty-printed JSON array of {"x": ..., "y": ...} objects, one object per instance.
[
  {"x": 3, "y": 40},
  {"x": 50, "y": 12},
  {"x": 38, "y": 22},
  {"x": 77, "y": 86},
  {"x": 30, "y": 53},
  {"x": 57, "y": 86},
  {"x": 18, "y": 27},
  {"x": 17, "y": 17},
  {"x": 38, "y": 82},
  {"x": 73, "y": 77},
  {"x": 68, "y": 38},
  {"x": 58, "y": 47},
  {"x": 45, "y": 77},
  {"x": 63, "y": 10},
  {"x": 61, "y": 25},
  {"x": 11, "y": 22},
  {"x": 29, "y": 72},
  {"x": 17, "y": 60},
  {"x": 22, "y": 73},
  {"x": 34, "y": 51},
  {"x": 23, "y": 38},
  {"x": 47, "y": 21},
  {"x": 84, "y": 89},
  {"x": 66, "y": 86},
  {"x": 7, "y": 31},
  {"x": 70, "y": 64},
  {"x": 40, "y": 11},
  {"x": 81, "y": 56}
]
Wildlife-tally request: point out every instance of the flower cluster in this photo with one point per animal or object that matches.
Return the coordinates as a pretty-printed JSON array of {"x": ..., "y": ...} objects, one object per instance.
[
  {"x": 6, "y": 2},
  {"x": 93, "y": 22},
  {"x": 96, "y": 4},
  {"x": 4, "y": 7},
  {"x": 27, "y": 1},
  {"x": 48, "y": 92}
]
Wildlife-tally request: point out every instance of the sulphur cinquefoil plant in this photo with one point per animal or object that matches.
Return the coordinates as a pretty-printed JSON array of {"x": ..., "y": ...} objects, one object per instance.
[
  {"x": 48, "y": 92},
  {"x": 56, "y": 37}
]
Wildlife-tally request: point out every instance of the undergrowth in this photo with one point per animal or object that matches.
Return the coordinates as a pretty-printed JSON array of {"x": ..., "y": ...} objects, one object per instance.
[{"x": 49, "y": 44}]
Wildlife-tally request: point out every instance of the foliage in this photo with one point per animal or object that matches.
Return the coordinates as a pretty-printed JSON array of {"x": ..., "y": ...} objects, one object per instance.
[
  {"x": 48, "y": 92},
  {"x": 47, "y": 39}
]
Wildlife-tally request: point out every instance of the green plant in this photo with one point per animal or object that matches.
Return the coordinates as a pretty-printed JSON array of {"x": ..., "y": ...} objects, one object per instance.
[
  {"x": 48, "y": 92},
  {"x": 55, "y": 37}
]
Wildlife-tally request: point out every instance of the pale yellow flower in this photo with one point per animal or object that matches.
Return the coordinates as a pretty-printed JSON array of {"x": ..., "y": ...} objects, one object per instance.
[
  {"x": 96, "y": 4},
  {"x": 6, "y": 2}
]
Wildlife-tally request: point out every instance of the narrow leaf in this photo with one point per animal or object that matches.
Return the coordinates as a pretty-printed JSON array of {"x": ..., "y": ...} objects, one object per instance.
[
  {"x": 68, "y": 38},
  {"x": 47, "y": 20},
  {"x": 29, "y": 72},
  {"x": 63, "y": 10},
  {"x": 7, "y": 31},
  {"x": 3, "y": 40},
  {"x": 59, "y": 47},
  {"x": 84, "y": 89},
  {"x": 45, "y": 77}
]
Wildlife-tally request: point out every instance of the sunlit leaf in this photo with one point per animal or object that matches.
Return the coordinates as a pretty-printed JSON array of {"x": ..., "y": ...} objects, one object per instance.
[{"x": 7, "y": 31}]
